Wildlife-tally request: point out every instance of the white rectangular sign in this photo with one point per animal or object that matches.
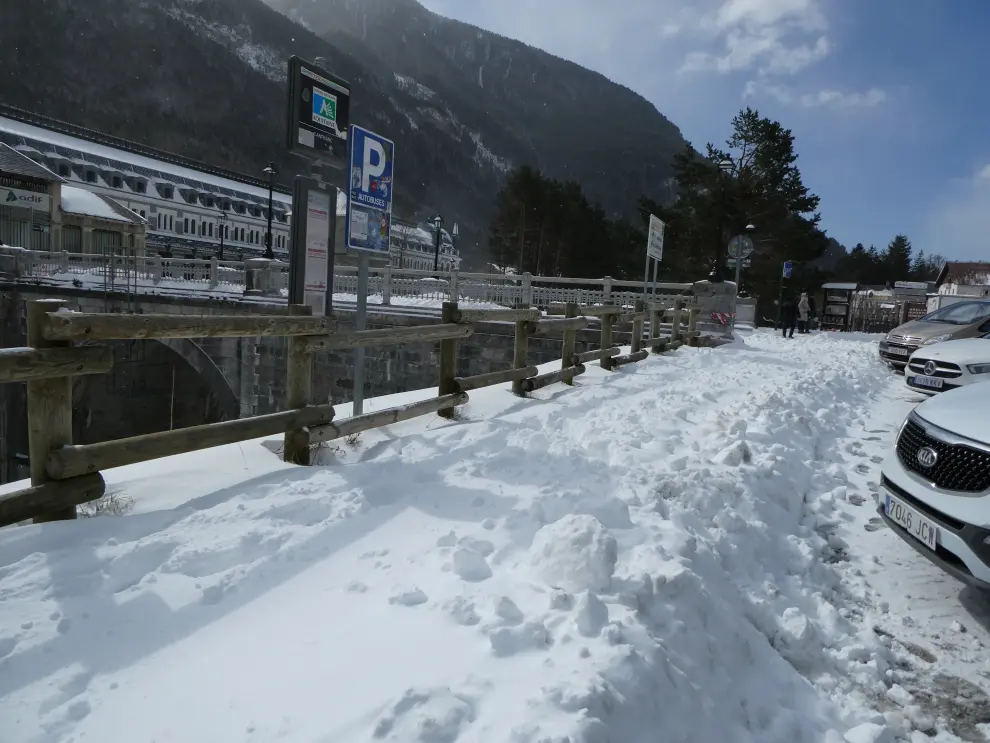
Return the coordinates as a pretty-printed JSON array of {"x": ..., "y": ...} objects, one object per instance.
[
  {"x": 25, "y": 199},
  {"x": 654, "y": 243},
  {"x": 317, "y": 248}
]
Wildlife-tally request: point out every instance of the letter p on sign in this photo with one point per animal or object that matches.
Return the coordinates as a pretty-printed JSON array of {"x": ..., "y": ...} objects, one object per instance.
[{"x": 370, "y": 169}]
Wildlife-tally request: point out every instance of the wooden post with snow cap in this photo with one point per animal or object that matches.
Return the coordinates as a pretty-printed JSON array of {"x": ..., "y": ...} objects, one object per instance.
[
  {"x": 675, "y": 331},
  {"x": 607, "y": 320},
  {"x": 448, "y": 360},
  {"x": 49, "y": 408},
  {"x": 298, "y": 388},
  {"x": 656, "y": 317},
  {"x": 520, "y": 351},
  {"x": 693, "y": 326},
  {"x": 568, "y": 346},
  {"x": 637, "y": 326}
]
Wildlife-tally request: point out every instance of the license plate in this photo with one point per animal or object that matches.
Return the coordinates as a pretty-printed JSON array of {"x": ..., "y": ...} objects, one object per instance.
[
  {"x": 933, "y": 382},
  {"x": 917, "y": 525},
  {"x": 895, "y": 351}
]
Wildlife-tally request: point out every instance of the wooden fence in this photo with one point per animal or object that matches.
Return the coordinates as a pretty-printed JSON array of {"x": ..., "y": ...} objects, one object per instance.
[{"x": 65, "y": 475}]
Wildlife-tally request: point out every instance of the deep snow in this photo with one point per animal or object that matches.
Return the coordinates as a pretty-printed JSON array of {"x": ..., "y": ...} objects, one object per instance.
[{"x": 677, "y": 551}]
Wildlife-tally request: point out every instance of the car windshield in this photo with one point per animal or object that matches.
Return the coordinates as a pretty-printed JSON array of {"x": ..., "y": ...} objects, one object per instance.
[{"x": 961, "y": 313}]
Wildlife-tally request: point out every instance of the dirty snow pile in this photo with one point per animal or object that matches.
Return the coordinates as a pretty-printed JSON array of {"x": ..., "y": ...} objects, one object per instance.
[{"x": 653, "y": 554}]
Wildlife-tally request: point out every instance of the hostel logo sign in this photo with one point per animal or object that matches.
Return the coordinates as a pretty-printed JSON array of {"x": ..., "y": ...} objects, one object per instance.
[
  {"x": 27, "y": 199},
  {"x": 11, "y": 197},
  {"x": 325, "y": 108}
]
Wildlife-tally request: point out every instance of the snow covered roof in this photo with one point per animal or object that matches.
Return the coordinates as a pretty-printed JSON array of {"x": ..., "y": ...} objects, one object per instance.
[
  {"x": 972, "y": 273},
  {"x": 86, "y": 203},
  {"x": 83, "y": 151},
  {"x": 17, "y": 163},
  {"x": 840, "y": 285}
]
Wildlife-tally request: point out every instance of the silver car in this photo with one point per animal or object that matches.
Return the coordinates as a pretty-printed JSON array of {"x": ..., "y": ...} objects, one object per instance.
[{"x": 966, "y": 319}]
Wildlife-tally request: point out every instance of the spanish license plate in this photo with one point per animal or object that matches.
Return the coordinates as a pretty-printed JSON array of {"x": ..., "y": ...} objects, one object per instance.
[
  {"x": 917, "y": 525},
  {"x": 895, "y": 351},
  {"x": 931, "y": 382}
]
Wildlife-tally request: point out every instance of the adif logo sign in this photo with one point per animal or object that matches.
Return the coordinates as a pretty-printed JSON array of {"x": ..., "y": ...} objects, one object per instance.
[
  {"x": 16, "y": 197},
  {"x": 325, "y": 108}
]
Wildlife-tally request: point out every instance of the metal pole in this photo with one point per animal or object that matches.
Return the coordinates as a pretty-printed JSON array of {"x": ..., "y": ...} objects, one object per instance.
[
  {"x": 646, "y": 276},
  {"x": 735, "y": 307},
  {"x": 359, "y": 324},
  {"x": 656, "y": 265},
  {"x": 436, "y": 254},
  {"x": 269, "y": 254}
]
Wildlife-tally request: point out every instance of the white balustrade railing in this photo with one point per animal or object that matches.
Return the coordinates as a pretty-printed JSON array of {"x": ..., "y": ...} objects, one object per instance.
[{"x": 388, "y": 285}]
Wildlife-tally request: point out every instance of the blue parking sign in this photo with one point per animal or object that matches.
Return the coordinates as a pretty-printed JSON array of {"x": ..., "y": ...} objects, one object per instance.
[
  {"x": 369, "y": 203},
  {"x": 787, "y": 269}
]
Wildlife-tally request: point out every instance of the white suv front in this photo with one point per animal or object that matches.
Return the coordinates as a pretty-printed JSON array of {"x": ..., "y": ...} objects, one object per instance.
[
  {"x": 935, "y": 484},
  {"x": 945, "y": 366}
]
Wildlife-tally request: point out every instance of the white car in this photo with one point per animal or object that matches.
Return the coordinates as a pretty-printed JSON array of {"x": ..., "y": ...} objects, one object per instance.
[
  {"x": 948, "y": 365},
  {"x": 935, "y": 484}
]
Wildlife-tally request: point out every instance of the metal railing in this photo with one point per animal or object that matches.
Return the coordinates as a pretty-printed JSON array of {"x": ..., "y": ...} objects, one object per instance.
[{"x": 386, "y": 286}]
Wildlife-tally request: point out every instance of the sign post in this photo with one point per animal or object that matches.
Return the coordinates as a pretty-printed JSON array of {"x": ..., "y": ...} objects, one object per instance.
[
  {"x": 368, "y": 228},
  {"x": 785, "y": 273},
  {"x": 654, "y": 250}
]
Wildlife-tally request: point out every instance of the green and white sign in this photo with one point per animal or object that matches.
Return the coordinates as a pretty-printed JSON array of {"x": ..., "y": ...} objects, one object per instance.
[{"x": 25, "y": 199}]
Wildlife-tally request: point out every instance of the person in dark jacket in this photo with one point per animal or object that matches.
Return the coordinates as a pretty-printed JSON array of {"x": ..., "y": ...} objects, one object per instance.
[{"x": 788, "y": 316}]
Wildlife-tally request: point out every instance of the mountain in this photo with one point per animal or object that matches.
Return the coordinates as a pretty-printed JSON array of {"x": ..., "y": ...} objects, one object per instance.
[{"x": 206, "y": 79}]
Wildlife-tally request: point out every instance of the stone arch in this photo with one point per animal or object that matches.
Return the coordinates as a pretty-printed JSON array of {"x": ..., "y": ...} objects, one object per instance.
[{"x": 199, "y": 360}]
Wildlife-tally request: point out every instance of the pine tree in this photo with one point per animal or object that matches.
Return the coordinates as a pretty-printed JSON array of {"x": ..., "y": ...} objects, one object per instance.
[{"x": 897, "y": 263}]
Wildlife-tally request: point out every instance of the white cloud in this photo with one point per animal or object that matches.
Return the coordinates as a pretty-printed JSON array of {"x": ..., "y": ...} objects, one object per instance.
[
  {"x": 958, "y": 224},
  {"x": 826, "y": 98}
]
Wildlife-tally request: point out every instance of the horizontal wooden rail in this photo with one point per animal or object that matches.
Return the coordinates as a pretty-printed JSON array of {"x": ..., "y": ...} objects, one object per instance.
[
  {"x": 586, "y": 310},
  {"x": 546, "y": 327},
  {"x": 601, "y": 353},
  {"x": 384, "y": 337},
  {"x": 630, "y": 358},
  {"x": 466, "y": 384},
  {"x": 52, "y": 496},
  {"x": 658, "y": 340},
  {"x": 359, "y": 423},
  {"x": 71, "y": 461},
  {"x": 627, "y": 317},
  {"x": 534, "y": 383},
  {"x": 464, "y": 316},
  {"x": 24, "y": 364},
  {"x": 72, "y": 326}
]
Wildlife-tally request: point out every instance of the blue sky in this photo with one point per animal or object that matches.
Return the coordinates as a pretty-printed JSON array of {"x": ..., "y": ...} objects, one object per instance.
[{"x": 887, "y": 99}]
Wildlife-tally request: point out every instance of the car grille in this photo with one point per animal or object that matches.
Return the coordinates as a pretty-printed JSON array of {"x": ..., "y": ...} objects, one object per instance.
[
  {"x": 942, "y": 368},
  {"x": 959, "y": 467},
  {"x": 907, "y": 340}
]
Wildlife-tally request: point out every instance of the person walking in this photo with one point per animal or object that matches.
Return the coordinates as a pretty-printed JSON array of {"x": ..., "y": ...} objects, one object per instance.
[
  {"x": 788, "y": 316},
  {"x": 804, "y": 310}
]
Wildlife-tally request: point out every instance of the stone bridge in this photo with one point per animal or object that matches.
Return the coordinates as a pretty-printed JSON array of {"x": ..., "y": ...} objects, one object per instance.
[{"x": 158, "y": 385}]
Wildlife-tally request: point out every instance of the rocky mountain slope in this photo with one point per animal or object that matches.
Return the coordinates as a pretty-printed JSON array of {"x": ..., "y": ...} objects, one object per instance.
[{"x": 206, "y": 78}]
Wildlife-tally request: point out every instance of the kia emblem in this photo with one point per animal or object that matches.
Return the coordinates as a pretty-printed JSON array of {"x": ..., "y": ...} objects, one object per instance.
[
  {"x": 927, "y": 457},
  {"x": 930, "y": 368}
]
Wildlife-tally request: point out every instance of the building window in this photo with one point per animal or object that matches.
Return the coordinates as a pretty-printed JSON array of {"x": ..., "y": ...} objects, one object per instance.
[
  {"x": 141, "y": 186},
  {"x": 170, "y": 222},
  {"x": 185, "y": 224},
  {"x": 210, "y": 228},
  {"x": 63, "y": 170},
  {"x": 116, "y": 182},
  {"x": 91, "y": 176},
  {"x": 158, "y": 221}
]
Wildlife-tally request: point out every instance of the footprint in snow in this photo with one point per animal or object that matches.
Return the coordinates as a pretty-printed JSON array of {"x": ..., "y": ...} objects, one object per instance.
[
  {"x": 856, "y": 500},
  {"x": 863, "y": 469},
  {"x": 876, "y": 460},
  {"x": 875, "y": 524}
]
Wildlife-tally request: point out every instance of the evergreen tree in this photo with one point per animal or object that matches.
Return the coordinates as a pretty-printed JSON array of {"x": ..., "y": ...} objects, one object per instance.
[{"x": 897, "y": 262}]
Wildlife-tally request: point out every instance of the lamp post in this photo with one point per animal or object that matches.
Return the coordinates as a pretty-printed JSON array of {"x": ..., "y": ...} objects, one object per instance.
[
  {"x": 222, "y": 228},
  {"x": 725, "y": 167},
  {"x": 270, "y": 171},
  {"x": 438, "y": 225}
]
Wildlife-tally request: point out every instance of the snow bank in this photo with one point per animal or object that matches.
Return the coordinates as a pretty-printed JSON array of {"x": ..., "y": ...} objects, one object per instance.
[{"x": 649, "y": 555}]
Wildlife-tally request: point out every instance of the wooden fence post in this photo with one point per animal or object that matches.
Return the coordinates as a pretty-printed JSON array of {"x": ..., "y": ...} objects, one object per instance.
[
  {"x": 49, "y": 407},
  {"x": 675, "y": 331},
  {"x": 298, "y": 388},
  {"x": 607, "y": 320},
  {"x": 448, "y": 360},
  {"x": 656, "y": 315},
  {"x": 569, "y": 344},
  {"x": 520, "y": 352},
  {"x": 637, "y": 326},
  {"x": 387, "y": 284},
  {"x": 693, "y": 326}
]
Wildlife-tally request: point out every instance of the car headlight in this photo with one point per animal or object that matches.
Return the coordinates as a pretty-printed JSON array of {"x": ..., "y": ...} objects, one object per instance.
[
  {"x": 937, "y": 339},
  {"x": 978, "y": 368}
]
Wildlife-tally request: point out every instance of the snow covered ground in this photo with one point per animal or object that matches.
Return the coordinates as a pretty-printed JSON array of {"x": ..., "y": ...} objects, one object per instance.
[{"x": 682, "y": 550}]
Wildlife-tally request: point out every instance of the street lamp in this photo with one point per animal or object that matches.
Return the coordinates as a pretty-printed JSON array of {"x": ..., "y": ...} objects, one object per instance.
[
  {"x": 438, "y": 225},
  {"x": 222, "y": 225},
  {"x": 725, "y": 167},
  {"x": 270, "y": 171}
]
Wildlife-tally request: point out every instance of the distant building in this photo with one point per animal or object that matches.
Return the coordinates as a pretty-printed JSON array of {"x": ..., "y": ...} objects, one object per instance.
[
  {"x": 963, "y": 279},
  {"x": 41, "y": 211},
  {"x": 185, "y": 203}
]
